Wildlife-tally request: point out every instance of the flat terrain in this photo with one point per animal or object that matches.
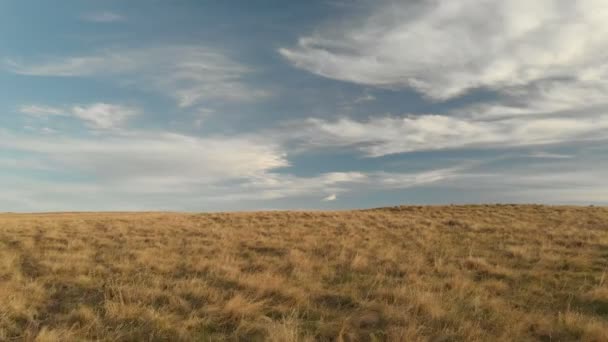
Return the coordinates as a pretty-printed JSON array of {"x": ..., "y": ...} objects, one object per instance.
[{"x": 465, "y": 273}]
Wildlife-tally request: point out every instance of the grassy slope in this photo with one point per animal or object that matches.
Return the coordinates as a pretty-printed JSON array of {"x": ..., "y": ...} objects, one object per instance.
[{"x": 409, "y": 273}]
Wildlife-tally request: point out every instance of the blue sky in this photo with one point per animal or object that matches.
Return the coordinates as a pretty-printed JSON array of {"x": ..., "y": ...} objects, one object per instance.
[{"x": 328, "y": 104}]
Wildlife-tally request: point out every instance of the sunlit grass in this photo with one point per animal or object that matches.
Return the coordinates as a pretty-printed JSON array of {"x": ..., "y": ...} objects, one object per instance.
[{"x": 471, "y": 273}]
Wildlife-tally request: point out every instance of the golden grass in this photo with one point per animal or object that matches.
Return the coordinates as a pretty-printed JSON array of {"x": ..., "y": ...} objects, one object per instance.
[{"x": 467, "y": 273}]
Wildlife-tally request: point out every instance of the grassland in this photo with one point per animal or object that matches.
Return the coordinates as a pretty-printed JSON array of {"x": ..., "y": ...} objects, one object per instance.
[{"x": 470, "y": 273}]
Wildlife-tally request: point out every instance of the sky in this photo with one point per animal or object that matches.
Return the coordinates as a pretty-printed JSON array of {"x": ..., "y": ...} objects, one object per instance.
[{"x": 321, "y": 104}]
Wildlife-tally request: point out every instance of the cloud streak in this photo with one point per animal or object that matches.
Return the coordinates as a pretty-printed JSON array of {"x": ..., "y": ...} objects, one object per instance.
[
  {"x": 330, "y": 198},
  {"x": 446, "y": 48},
  {"x": 551, "y": 86},
  {"x": 96, "y": 115},
  {"x": 390, "y": 135},
  {"x": 141, "y": 155},
  {"x": 191, "y": 75},
  {"x": 123, "y": 170}
]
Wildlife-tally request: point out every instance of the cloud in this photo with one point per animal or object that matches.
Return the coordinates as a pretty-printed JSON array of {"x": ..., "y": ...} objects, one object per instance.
[
  {"x": 189, "y": 74},
  {"x": 134, "y": 170},
  {"x": 97, "y": 115},
  {"x": 551, "y": 85},
  {"x": 157, "y": 160},
  {"x": 175, "y": 172},
  {"x": 144, "y": 192},
  {"x": 548, "y": 155},
  {"x": 330, "y": 198},
  {"x": 278, "y": 185},
  {"x": 546, "y": 112},
  {"x": 444, "y": 48},
  {"x": 281, "y": 185},
  {"x": 389, "y": 135},
  {"x": 408, "y": 180},
  {"x": 103, "y": 115},
  {"x": 106, "y": 63},
  {"x": 103, "y": 17},
  {"x": 36, "y": 110}
]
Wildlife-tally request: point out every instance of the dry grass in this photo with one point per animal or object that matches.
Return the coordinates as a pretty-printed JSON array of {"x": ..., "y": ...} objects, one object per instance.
[{"x": 470, "y": 273}]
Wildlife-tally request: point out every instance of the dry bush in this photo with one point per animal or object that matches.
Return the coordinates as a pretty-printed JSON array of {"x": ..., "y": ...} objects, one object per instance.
[{"x": 465, "y": 273}]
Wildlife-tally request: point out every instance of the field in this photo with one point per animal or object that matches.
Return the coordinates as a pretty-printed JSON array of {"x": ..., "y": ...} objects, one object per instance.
[{"x": 452, "y": 273}]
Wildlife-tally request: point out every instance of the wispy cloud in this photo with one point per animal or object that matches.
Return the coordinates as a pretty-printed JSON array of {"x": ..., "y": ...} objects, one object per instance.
[
  {"x": 330, "y": 198},
  {"x": 36, "y": 110},
  {"x": 445, "y": 48},
  {"x": 190, "y": 74},
  {"x": 160, "y": 156},
  {"x": 389, "y": 135},
  {"x": 552, "y": 86},
  {"x": 181, "y": 170},
  {"x": 97, "y": 115},
  {"x": 103, "y": 115},
  {"x": 548, "y": 155},
  {"x": 275, "y": 185},
  {"x": 103, "y": 17}
]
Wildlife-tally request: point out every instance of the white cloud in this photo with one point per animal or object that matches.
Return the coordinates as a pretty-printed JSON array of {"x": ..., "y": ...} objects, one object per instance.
[
  {"x": 103, "y": 115},
  {"x": 408, "y": 180},
  {"x": 443, "y": 48},
  {"x": 189, "y": 74},
  {"x": 147, "y": 162},
  {"x": 546, "y": 112},
  {"x": 141, "y": 192},
  {"x": 388, "y": 135},
  {"x": 139, "y": 170},
  {"x": 36, "y": 110},
  {"x": 330, "y": 198},
  {"x": 106, "y": 63},
  {"x": 143, "y": 177},
  {"x": 96, "y": 115},
  {"x": 103, "y": 17},
  {"x": 545, "y": 60},
  {"x": 544, "y": 98},
  {"x": 548, "y": 155},
  {"x": 275, "y": 185}
]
